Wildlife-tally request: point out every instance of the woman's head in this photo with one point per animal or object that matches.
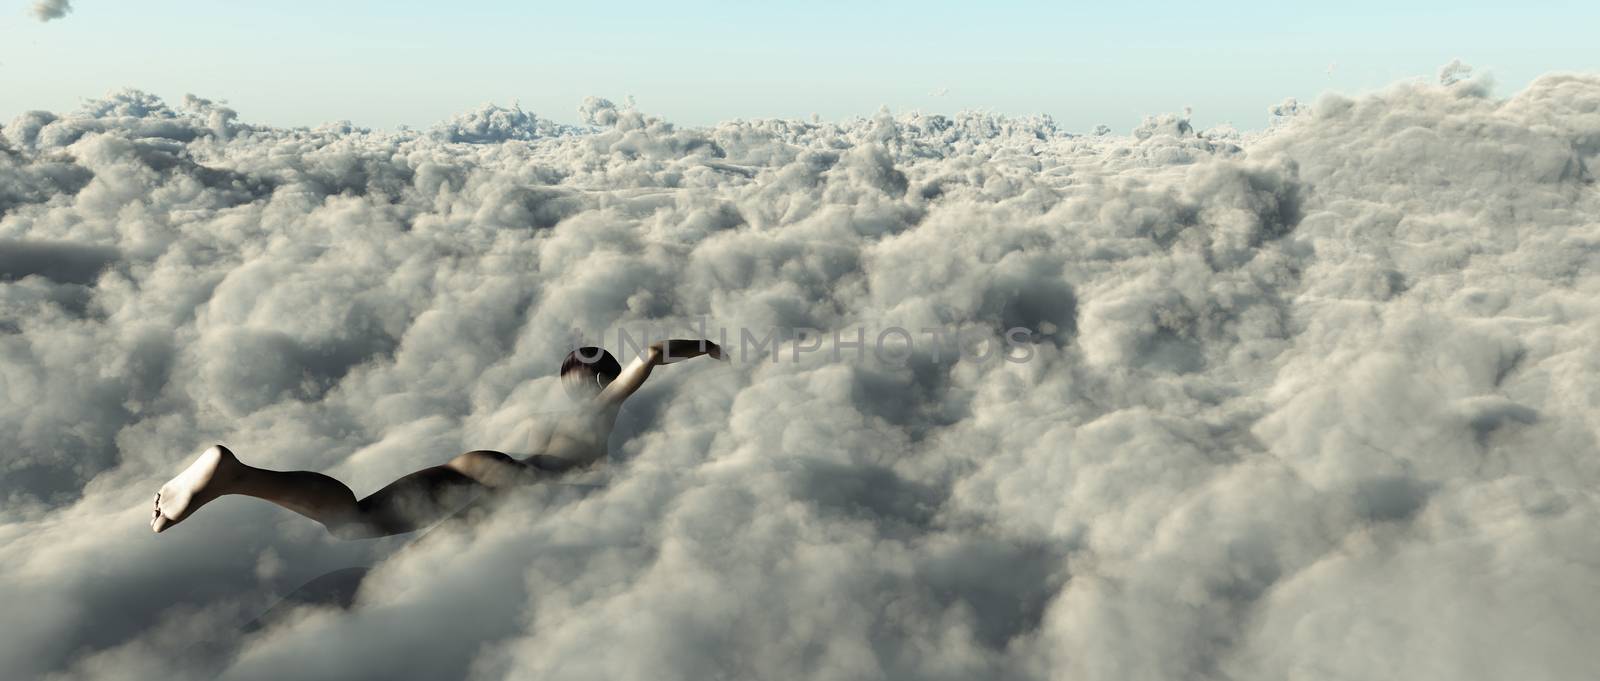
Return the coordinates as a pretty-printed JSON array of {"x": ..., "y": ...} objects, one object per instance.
[{"x": 586, "y": 370}]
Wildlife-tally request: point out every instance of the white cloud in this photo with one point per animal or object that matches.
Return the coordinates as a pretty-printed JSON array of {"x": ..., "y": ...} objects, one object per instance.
[
  {"x": 1309, "y": 403},
  {"x": 46, "y": 10}
]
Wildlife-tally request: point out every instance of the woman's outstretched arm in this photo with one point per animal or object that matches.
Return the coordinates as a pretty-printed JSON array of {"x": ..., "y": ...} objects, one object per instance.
[{"x": 659, "y": 352}]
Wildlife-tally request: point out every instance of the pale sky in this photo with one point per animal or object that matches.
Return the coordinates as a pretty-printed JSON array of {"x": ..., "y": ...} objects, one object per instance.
[{"x": 382, "y": 64}]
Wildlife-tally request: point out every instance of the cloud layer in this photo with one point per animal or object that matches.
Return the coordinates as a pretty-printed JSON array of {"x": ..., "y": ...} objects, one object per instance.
[{"x": 1313, "y": 403}]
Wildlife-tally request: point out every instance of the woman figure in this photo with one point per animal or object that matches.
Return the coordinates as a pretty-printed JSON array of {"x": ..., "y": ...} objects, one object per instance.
[{"x": 591, "y": 375}]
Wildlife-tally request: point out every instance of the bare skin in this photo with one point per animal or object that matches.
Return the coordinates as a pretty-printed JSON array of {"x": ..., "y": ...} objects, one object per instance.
[{"x": 421, "y": 498}]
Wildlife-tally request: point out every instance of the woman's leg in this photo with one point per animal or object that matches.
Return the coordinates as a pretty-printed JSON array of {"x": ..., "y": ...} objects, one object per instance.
[
  {"x": 407, "y": 504},
  {"x": 426, "y": 496}
]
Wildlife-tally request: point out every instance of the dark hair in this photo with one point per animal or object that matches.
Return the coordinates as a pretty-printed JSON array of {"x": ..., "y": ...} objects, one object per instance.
[{"x": 587, "y": 370}]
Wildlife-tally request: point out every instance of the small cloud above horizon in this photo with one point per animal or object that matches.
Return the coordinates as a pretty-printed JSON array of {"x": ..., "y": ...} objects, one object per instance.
[{"x": 47, "y": 10}]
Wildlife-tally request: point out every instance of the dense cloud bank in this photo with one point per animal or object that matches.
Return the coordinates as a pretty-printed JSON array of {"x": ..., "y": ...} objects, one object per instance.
[{"x": 1315, "y": 403}]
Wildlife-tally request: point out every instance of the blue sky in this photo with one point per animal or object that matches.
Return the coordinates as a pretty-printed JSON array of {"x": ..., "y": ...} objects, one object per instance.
[{"x": 381, "y": 64}]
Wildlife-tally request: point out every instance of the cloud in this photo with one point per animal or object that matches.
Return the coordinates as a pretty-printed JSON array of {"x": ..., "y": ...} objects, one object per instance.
[
  {"x": 46, "y": 10},
  {"x": 62, "y": 262},
  {"x": 1310, "y": 402},
  {"x": 493, "y": 124}
]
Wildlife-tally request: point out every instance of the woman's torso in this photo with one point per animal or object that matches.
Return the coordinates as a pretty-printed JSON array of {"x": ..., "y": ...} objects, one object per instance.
[{"x": 578, "y": 437}]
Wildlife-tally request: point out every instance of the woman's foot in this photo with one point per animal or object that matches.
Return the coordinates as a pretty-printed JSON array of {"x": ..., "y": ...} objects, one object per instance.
[{"x": 201, "y": 482}]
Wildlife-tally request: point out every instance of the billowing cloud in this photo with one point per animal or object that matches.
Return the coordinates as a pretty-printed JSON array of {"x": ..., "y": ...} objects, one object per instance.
[
  {"x": 46, "y": 10},
  {"x": 1310, "y": 403}
]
